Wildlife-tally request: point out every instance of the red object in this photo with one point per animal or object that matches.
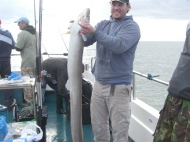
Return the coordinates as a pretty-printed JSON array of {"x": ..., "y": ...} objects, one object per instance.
[{"x": 0, "y": 21}]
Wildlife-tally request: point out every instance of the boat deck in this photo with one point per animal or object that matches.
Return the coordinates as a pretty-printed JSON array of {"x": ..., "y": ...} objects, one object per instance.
[{"x": 58, "y": 125}]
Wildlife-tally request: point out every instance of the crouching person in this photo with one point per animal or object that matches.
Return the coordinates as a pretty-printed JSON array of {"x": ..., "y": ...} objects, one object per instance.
[{"x": 56, "y": 76}]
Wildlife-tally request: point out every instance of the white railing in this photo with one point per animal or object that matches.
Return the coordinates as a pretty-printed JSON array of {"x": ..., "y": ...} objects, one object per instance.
[{"x": 149, "y": 77}]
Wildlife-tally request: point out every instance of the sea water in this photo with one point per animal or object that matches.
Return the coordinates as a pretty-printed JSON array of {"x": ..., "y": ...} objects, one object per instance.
[{"x": 155, "y": 58}]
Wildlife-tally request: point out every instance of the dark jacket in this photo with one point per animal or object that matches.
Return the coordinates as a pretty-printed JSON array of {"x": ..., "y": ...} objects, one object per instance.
[
  {"x": 30, "y": 29},
  {"x": 7, "y": 43},
  {"x": 179, "y": 84},
  {"x": 56, "y": 73}
]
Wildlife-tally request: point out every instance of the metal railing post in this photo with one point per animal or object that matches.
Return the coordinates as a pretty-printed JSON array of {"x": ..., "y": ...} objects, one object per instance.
[{"x": 133, "y": 87}]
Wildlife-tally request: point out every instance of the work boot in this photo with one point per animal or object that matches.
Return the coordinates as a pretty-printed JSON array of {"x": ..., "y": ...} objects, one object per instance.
[
  {"x": 67, "y": 98},
  {"x": 61, "y": 111},
  {"x": 59, "y": 104}
]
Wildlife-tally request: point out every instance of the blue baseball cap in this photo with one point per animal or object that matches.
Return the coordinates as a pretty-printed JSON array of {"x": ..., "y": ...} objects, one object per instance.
[{"x": 22, "y": 19}]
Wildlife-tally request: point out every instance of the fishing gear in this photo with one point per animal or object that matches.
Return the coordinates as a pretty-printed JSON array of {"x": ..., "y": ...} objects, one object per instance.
[
  {"x": 39, "y": 116},
  {"x": 45, "y": 53},
  {"x": 63, "y": 41}
]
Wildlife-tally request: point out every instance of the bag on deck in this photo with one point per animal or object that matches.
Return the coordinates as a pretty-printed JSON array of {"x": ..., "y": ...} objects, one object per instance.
[
  {"x": 86, "y": 89},
  {"x": 3, "y": 128},
  {"x": 29, "y": 132}
]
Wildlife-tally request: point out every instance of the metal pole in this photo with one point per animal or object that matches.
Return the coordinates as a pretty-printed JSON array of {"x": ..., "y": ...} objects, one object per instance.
[{"x": 134, "y": 97}]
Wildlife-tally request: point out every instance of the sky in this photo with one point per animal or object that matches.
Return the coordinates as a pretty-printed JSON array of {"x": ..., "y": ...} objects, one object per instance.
[{"x": 159, "y": 20}]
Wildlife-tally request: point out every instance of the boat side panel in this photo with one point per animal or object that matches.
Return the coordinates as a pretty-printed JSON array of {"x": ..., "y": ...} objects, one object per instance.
[{"x": 144, "y": 119}]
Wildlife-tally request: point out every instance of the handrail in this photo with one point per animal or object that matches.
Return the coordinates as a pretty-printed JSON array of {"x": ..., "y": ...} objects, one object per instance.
[
  {"x": 92, "y": 61},
  {"x": 148, "y": 77},
  {"x": 64, "y": 54}
]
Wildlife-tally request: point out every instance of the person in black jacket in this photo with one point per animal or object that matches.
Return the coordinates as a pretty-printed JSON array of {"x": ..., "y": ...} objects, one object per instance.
[
  {"x": 56, "y": 76},
  {"x": 7, "y": 43},
  {"x": 174, "y": 121}
]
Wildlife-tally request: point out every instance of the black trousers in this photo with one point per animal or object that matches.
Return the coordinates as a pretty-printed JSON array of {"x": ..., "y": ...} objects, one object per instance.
[
  {"x": 5, "y": 71},
  {"x": 59, "y": 97}
]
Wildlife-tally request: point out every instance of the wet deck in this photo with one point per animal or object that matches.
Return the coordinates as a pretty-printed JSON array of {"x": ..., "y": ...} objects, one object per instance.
[{"x": 58, "y": 126}]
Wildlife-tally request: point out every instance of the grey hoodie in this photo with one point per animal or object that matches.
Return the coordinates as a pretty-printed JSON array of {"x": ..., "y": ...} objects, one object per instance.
[{"x": 115, "y": 50}]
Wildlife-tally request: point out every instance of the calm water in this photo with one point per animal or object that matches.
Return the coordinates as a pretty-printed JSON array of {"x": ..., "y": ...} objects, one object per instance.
[{"x": 156, "y": 58}]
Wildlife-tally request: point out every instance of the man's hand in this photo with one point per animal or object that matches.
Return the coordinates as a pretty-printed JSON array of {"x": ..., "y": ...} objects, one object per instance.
[{"x": 86, "y": 28}]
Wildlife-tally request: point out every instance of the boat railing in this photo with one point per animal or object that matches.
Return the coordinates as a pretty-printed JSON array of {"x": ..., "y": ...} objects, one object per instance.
[
  {"x": 147, "y": 76},
  {"x": 135, "y": 73},
  {"x": 92, "y": 61},
  {"x": 45, "y": 53}
]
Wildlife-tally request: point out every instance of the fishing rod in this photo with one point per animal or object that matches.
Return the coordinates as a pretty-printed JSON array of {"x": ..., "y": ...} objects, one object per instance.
[
  {"x": 65, "y": 54},
  {"x": 38, "y": 110},
  {"x": 63, "y": 40},
  {"x": 35, "y": 21},
  {"x": 39, "y": 63},
  {"x": 46, "y": 53},
  {"x": 36, "y": 34}
]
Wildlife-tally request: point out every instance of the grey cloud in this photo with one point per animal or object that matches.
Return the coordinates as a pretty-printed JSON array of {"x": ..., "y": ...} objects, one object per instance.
[
  {"x": 163, "y": 9},
  {"x": 172, "y": 9},
  {"x": 11, "y": 10}
]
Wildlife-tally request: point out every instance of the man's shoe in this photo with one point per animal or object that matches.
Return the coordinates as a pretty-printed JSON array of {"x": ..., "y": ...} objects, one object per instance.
[
  {"x": 61, "y": 111},
  {"x": 43, "y": 100},
  {"x": 67, "y": 98}
]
